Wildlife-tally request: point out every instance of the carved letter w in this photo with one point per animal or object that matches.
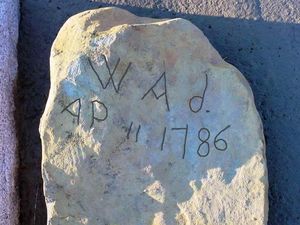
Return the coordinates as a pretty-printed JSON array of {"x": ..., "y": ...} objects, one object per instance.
[{"x": 111, "y": 74}]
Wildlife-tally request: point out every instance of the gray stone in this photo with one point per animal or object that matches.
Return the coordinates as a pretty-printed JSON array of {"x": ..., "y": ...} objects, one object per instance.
[{"x": 146, "y": 124}]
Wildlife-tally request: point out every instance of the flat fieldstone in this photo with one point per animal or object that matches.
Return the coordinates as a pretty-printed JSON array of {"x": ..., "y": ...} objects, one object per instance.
[{"x": 146, "y": 124}]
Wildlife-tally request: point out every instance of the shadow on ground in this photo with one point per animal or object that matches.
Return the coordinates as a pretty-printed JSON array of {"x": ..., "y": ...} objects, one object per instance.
[{"x": 267, "y": 53}]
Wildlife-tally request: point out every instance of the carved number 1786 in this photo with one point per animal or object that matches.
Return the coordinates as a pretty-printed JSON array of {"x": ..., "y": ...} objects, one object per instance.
[{"x": 204, "y": 148}]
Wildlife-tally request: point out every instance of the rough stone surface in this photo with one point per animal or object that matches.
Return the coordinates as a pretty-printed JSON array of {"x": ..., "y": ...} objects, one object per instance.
[
  {"x": 8, "y": 150},
  {"x": 146, "y": 124},
  {"x": 264, "y": 46}
]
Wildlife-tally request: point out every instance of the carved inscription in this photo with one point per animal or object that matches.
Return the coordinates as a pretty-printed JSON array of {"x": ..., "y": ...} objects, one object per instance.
[
  {"x": 185, "y": 129},
  {"x": 98, "y": 104},
  {"x": 196, "y": 102},
  {"x": 136, "y": 134},
  {"x": 157, "y": 90},
  {"x": 162, "y": 78},
  {"x": 72, "y": 113},
  {"x": 111, "y": 74}
]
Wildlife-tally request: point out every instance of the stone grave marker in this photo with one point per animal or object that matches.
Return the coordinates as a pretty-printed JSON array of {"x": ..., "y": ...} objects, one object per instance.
[{"x": 146, "y": 124}]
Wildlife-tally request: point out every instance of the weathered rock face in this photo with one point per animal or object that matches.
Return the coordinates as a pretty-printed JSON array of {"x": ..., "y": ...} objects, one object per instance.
[{"x": 146, "y": 124}]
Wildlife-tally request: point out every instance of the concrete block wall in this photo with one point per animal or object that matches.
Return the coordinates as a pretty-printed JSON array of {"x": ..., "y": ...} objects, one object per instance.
[
  {"x": 9, "y": 21},
  {"x": 260, "y": 37}
]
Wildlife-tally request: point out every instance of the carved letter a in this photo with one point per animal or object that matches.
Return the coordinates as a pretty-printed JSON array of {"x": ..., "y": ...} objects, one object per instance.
[{"x": 157, "y": 96}]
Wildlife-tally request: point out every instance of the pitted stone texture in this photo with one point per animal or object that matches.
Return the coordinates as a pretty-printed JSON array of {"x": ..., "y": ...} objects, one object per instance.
[
  {"x": 9, "y": 20},
  {"x": 146, "y": 124}
]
